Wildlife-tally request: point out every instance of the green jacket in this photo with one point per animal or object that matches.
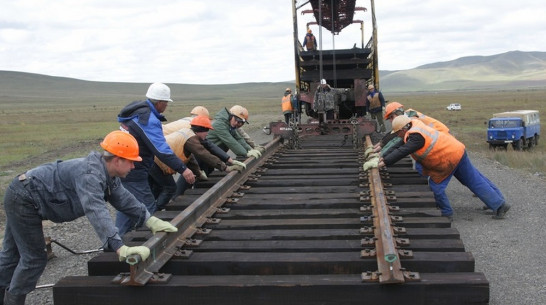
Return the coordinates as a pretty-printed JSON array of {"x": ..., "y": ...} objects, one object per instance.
[{"x": 227, "y": 137}]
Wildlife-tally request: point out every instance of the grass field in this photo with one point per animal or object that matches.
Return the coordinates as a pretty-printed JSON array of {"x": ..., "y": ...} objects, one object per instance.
[{"x": 37, "y": 129}]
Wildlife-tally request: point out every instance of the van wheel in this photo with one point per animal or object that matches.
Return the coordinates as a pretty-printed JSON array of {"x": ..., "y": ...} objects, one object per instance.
[
  {"x": 492, "y": 147},
  {"x": 536, "y": 139},
  {"x": 530, "y": 142},
  {"x": 518, "y": 145}
]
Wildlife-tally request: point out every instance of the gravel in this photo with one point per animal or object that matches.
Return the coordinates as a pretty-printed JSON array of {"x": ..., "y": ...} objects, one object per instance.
[{"x": 509, "y": 251}]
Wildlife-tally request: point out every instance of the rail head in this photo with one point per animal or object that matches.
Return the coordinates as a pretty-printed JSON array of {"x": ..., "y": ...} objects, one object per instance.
[{"x": 163, "y": 246}]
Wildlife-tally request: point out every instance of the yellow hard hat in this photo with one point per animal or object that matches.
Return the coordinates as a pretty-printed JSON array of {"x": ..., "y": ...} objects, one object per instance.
[
  {"x": 200, "y": 110},
  {"x": 240, "y": 112}
]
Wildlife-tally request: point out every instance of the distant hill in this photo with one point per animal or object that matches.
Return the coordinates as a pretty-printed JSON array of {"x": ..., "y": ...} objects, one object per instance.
[
  {"x": 513, "y": 69},
  {"x": 30, "y": 87}
]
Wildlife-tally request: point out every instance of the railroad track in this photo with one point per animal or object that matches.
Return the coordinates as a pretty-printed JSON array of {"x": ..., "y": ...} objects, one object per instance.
[{"x": 303, "y": 226}]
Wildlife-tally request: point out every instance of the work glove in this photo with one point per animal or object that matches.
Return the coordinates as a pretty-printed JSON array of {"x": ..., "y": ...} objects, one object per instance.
[
  {"x": 368, "y": 151},
  {"x": 253, "y": 153},
  {"x": 157, "y": 225},
  {"x": 125, "y": 251},
  {"x": 260, "y": 148},
  {"x": 242, "y": 164},
  {"x": 203, "y": 176},
  {"x": 234, "y": 167},
  {"x": 372, "y": 155},
  {"x": 372, "y": 163}
]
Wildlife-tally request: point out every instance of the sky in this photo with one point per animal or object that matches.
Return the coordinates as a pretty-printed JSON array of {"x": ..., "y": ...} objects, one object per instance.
[{"x": 239, "y": 41}]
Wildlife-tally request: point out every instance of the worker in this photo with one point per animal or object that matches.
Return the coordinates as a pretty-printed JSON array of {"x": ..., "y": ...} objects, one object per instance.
[
  {"x": 63, "y": 191},
  {"x": 394, "y": 109},
  {"x": 241, "y": 131},
  {"x": 185, "y": 143},
  {"x": 185, "y": 121},
  {"x": 286, "y": 105},
  {"x": 324, "y": 101},
  {"x": 143, "y": 120},
  {"x": 225, "y": 134},
  {"x": 310, "y": 42},
  {"x": 375, "y": 105},
  {"x": 442, "y": 157}
]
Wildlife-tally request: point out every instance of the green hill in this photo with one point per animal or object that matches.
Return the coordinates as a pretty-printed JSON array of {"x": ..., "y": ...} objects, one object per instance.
[{"x": 516, "y": 69}]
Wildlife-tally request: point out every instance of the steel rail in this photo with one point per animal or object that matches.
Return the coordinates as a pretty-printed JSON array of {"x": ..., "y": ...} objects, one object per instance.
[
  {"x": 388, "y": 261},
  {"x": 163, "y": 246}
]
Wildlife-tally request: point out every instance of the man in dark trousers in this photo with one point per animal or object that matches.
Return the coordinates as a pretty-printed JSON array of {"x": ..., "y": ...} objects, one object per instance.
[
  {"x": 375, "y": 104},
  {"x": 63, "y": 191},
  {"x": 143, "y": 120}
]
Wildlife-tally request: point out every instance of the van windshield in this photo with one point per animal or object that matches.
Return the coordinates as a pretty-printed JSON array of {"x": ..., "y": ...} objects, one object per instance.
[{"x": 504, "y": 124}]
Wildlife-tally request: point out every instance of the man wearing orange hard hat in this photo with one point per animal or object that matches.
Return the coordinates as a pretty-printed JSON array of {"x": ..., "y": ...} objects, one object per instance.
[
  {"x": 62, "y": 192},
  {"x": 188, "y": 144}
]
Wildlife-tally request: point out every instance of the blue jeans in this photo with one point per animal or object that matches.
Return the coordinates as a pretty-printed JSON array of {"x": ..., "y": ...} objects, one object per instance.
[
  {"x": 163, "y": 187},
  {"x": 181, "y": 186},
  {"x": 141, "y": 190},
  {"x": 470, "y": 177},
  {"x": 23, "y": 257}
]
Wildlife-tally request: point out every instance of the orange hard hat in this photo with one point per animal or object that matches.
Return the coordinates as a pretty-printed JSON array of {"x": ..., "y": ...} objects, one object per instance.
[
  {"x": 200, "y": 110},
  {"x": 391, "y": 107},
  {"x": 240, "y": 112},
  {"x": 202, "y": 121},
  {"x": 121, "y": 144}
]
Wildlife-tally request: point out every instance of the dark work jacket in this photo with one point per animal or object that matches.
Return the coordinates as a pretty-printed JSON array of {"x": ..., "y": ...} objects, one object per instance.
[{"x": 143, "y": 121}]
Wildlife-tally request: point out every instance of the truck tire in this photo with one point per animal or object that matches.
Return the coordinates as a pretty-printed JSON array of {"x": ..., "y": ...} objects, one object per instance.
[
  {"x": 530, "y": 142},
  {"x": 517, "y": 145},
  {"x": 536, "y": 139}
]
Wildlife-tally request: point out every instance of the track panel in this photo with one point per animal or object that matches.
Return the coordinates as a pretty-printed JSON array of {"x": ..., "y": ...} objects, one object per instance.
[{"x": 294, "y": 233}]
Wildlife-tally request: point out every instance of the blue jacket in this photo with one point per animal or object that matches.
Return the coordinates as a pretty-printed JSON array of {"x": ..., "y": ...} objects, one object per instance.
[
  {"x": 66, "y": 190},
  {"x": 143, "y": 121}
]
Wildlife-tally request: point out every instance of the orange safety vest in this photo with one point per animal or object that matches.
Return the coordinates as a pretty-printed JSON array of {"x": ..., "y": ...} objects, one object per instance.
[
  {"x": 286, "y": 103},
  {"x": 441, "y": 153},
  {"x": 430, "y": 121},
  {"x": 176, "y": 141}
]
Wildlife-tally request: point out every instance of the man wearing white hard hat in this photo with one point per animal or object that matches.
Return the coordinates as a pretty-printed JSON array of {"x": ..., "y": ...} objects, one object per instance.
[{"x": 142, "y": 119}]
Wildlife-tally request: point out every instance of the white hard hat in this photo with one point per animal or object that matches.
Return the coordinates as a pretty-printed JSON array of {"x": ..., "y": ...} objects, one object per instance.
[
  {"x": 159, "y": 92},
  {"x": 323, "y": 81},
  {"x": 399, "y": 122}
]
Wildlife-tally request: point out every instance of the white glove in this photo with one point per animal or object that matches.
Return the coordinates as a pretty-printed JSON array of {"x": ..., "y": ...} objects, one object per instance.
[
  {"x": 203, "y": 176},
  {"x": 372, "y": 155},
  {"x": 125, "y": 251},
  {"x": 372, "y": 163},
  {"x": 253, "y": 153},
  {"x": 241, "y": 164},
  {"x": 368, "y": 151},
  {"x": 260, "y": 148},
  {"x": 157, "y": 225},
  {"x": 234, "y": 167}
]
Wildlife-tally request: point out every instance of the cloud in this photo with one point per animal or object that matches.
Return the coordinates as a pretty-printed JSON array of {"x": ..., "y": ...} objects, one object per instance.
[{"x": 217, "y": 41}]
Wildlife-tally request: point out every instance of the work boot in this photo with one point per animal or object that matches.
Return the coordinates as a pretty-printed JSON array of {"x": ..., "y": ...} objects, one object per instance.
[
  {"x": 2, "y": 292},
  {"x": 11, "y": 299},
  {"x": 501, "y": 211}
]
